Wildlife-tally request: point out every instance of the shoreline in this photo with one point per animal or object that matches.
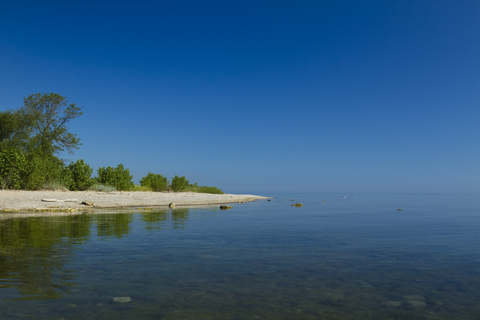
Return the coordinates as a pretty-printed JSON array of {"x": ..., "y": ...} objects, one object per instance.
[{"x": 12, "y": 201}]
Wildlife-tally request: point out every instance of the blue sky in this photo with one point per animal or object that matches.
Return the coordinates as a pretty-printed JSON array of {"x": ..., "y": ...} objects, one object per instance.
[{"x": 261, "y": 96}]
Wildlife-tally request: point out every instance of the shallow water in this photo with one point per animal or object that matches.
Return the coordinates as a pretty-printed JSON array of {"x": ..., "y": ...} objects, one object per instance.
[{"x": 337, "y": 257}]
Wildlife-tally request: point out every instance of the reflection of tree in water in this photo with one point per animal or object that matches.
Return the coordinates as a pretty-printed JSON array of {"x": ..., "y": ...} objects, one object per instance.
[
  {"x": 33, "y": 252},
  {"x": 158, "y": 220},
  {"x": 155, "y": 220},
  {"x": 179, "y": 217},
  {"x": 113, "y": 225}
]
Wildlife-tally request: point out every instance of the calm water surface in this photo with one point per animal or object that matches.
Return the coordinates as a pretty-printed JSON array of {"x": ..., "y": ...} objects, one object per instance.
[{"x": 337, "y": 257}]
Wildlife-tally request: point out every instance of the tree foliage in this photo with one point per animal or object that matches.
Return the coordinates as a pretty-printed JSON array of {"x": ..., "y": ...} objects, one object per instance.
[
  {"x": 179, "y": 183},
  {"x": 81, "y": 174},
  {"x": 33, "y": 136},
  {"x": 15, "y": 129},
  {"x": 48, "y": 116},
  {"x": 12, "y": 168},
  {"x": 118, "y": 177},
  {"x": 44, "y": 170},
  {"x": 155, "y": 181}
]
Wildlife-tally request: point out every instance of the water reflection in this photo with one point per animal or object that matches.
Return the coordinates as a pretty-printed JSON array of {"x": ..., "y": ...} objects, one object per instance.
[
  {"x": 35, "y": 252},
  {"x": 179, "y": 217},
  {"x": 113, "y": 225},
  {"x": 155, "y": 220},
  {"x": 159, "y": 220}
]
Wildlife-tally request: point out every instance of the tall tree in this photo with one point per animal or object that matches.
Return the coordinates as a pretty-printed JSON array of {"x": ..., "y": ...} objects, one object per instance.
[
  {"x": 51, "y": 114},
  {"x": 15, "y": 129}
]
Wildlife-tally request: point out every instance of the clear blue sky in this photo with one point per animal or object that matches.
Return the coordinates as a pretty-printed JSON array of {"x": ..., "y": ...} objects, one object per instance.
[{"x": 261, "y": 96}]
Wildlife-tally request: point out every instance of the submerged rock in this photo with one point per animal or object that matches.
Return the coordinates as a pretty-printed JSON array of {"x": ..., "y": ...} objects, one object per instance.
[
  {"x": 415, "y": 300},
  {"x": 224, "y": 207},
  {"x": 297, "y": 205},
  {"x": 122, "y": 299},
  {"x": 417, "y": 303},
  {"x": 391, "y": 303},
  {"x": 413, "y": 297}
]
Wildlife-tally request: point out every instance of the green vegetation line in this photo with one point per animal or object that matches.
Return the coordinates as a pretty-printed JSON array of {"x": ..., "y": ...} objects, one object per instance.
[{"x": 31, "y": 139}]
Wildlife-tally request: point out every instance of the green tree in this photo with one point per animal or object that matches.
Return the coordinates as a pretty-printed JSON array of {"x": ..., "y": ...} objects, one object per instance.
[
  {"x": 155, "y": 181},
  {"x": 81, "y": 174},
  {"x": 48, "y": 115},
  {"x": 118, "y": 177},
  {"x": 179, "y": 183}
]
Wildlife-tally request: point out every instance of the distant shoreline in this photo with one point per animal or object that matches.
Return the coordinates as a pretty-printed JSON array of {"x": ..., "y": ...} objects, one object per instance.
[{"x": 18, "y": 200}]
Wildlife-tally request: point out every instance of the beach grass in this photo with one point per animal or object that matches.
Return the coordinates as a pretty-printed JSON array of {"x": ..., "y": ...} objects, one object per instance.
[
  {"x": 53, "y": 185},
  {"x": 140, "y": 188},
  {"x": 101, "y": 188}
]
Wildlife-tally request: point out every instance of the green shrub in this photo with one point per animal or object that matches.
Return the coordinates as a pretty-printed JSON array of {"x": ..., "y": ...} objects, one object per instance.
[
  {"x": 179, "y": 183},
  {"x": 12, "y": 168},
  {"x": 81, "y": 174},
  {"x": 118, "y": 177},
  {"x": 141, "y": 188},
  {"x": 155, "y": 181},
  {"x": 203, "y": 189},
  {"x": 101, "y": 188},
  {"x": 41, "y": 171},
  {"x": 34, "y": 175}
]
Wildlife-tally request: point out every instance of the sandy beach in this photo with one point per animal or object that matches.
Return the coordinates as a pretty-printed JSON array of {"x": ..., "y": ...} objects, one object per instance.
[{"x": 16, "y": 200}]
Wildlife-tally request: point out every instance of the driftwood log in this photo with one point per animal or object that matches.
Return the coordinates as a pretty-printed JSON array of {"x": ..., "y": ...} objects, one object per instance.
[{"x": 56, "y": 200}]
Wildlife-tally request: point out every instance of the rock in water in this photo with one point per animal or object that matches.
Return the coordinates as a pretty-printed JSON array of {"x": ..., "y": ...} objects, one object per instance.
[
  {"x": 122, "y": 299},
  {"x": 414, "y": 297},
  {"x": 224, "y": 207},
  {"x": 297, "y": 205},
  {"x": 417, "y": 303},
  {"x": 391, "y": 303},
  {"x": 88, "y": 203}
]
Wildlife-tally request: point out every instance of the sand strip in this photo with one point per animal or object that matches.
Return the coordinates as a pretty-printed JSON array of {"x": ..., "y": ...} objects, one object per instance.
[{"x": 16, "y": 200}]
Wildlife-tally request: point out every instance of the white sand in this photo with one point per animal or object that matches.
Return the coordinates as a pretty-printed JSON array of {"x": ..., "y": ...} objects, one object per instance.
[{"x": 30, "y": 200}]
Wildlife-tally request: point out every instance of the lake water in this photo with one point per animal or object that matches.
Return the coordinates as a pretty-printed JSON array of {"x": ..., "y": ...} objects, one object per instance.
[{"x": 344, "y": 256}]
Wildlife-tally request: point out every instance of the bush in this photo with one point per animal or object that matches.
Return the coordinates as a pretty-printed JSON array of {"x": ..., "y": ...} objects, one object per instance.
[
  {"x": 12, "y": 168},
  {"x": 179, "y": 183},
  {"x": 155, "y": 181},
  {"x": 203, "y": 189},
  {"x": 81, "y": 174},
  {"x": 118, "y": 177},
  {"x": 41, "y": 171}
]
